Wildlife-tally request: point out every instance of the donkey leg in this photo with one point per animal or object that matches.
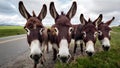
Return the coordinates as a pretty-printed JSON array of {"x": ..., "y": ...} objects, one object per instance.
[
  {"x": 75, "y": 47},
  {"x": 54, "y": 54},
  {"x": 81, "y": 46},
  {"x": 47, "y": 48},
  {"x": 42, "y": 60},
  {"x": 35, "y": 65}
]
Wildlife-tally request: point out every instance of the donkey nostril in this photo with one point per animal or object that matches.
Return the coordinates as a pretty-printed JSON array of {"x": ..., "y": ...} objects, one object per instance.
[
  {"x": 102, "y": 46},
  {"x": 30, "y": 56},
  {"x": 40, "y": 55},
  {"x": 86, "y": 51},
  {"x": 58, "y": 56},
  {"x": 69, "y": 56}
]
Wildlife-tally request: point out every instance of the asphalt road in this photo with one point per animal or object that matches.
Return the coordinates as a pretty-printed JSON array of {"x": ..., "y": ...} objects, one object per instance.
[
  {"x": 11, "y": 47},
  {"x": 14, "y": 53}
]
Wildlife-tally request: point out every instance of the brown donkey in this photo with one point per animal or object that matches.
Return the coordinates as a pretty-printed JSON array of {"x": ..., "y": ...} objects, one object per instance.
[
  {"x": 36, "y": 35},
  {"x": 60, "y": 32},
  {"x": 104, "y": 34},
  {"x": 86, "y": 32}
]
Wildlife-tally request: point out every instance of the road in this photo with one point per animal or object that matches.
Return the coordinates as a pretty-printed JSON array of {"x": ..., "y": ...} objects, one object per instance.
[
  {"x": 14, "y": 53},
  {"x": 11, "y": 47}
]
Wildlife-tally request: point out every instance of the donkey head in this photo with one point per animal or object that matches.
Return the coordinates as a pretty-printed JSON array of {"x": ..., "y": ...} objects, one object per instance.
[
  {"x": 104, "y": 34},
  {"x": 89, "y": 32},
  {"x": 34, "y": 28},
  {"x": 62, "y": 30}
]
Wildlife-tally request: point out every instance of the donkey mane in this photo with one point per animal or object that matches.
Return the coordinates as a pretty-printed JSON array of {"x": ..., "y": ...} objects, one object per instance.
[
  {"x": 63, "y": 20},
  {"x": 62, "y": 13}
]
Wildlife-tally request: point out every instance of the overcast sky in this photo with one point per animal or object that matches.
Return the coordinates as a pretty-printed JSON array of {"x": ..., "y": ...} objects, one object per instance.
[{"x": 9, "y": 12}]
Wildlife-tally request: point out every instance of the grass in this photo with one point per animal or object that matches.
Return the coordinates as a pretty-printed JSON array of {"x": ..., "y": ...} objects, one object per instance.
[
  {"x": 11, "y": 30},
  {"x": 102, "y": 59}
]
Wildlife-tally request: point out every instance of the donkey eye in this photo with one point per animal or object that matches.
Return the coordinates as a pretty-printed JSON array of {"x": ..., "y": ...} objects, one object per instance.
[
  {"x": 84, "y": 33},
  {"x": 28, "y": 31},
  {"x": 100, "y": 32},
  {"x": 95, "y": 34},
  {"x": 70, "y": 29},
  {"x": 41, "y": 30},
  {"x": 56, "y": 30}
]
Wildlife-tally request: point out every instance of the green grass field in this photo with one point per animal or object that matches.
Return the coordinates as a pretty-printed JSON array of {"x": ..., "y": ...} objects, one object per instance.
[
  {"x": 11, "y": 30},
  {"x": 101, "y": 59}
]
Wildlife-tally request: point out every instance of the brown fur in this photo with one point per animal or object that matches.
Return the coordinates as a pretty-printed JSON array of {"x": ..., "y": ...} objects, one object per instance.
[
  {"x": 105, "y": 29},
  {"x": 34, "y": 25},
  {"x": 87, "y": 26},
  {"x": 62, "y": 23}
]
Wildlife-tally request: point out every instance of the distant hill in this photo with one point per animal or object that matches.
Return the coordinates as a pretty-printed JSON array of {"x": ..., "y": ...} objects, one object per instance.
[{"x": 10, "y": 24}]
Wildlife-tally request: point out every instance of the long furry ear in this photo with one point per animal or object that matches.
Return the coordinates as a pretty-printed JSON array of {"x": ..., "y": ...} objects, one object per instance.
[
  {"x": 53, "y": 11},
  {"x": 23, "y": 10},
  {"x": 98, "y": 20},
  {"x": 82, "y": 19},
  {"x": 43, "y": 12},
  {"x": 72, "y": 10},
  {"x": 110, "y": 21}
]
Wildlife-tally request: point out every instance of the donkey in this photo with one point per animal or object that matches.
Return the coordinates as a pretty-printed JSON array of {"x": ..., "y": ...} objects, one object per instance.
[
  {"x": 104, "y": 34},
  {"x": 36, "y": 33},
  {"x": 60, "y": 33},
  {"x": 86, "y": 32}
]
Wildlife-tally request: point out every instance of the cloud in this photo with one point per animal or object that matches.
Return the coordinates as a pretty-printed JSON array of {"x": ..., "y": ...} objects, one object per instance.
[
  {"x": 106, "y": 5},
  {"x": 7, "y": 8},
  {"x": 11, "y": 20},
  {"x": 9, "y": 12}
]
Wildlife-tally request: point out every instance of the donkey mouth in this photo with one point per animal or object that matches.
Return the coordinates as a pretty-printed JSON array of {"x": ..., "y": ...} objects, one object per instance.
[
  {"x": 105, "y": 48},
  {"x": 89, "y": 53},
  {"x": 36, "y": 58},
  {"x": 64, "y": 59}
]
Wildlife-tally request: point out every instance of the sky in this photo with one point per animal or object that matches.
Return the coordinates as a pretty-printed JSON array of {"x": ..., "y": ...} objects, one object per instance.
[{"x": 9, "y": 13}]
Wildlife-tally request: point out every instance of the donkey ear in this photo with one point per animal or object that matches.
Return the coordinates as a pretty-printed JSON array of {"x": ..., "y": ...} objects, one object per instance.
[
  {"x": 53, "y": 11},
  {"x": 72, "y": 10},
  {"x": 82, "y": 19},
  {"x": 43, "y": 12},
  {"x": 98, "y": 20},
  {"x": 110, "y": 21},
  {"x": 23, "y": 10}
]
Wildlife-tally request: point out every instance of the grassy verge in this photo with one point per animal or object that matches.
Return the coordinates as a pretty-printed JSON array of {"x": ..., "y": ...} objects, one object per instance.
[
  {"x": 11, "y": 30},
  {"x": 110, "y": 59}
]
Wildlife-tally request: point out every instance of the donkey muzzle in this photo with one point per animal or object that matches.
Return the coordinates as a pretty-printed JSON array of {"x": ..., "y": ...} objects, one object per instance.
[
  {"x": 36, "y": 57},
  {"x": 64, "y": 59},
  {"x": 89, "y": 53},
  {"x": 105, "y": 48}
]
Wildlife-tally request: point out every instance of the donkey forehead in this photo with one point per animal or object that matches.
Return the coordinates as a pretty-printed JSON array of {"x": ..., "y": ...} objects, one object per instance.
[
  {"x": 103, "y": 27},
  {"x": 33, "y": 22},
  {"x": 62, "y": 20},
  {"x": 89, "y": 27},
  {"x": 63, "y": 27}
]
